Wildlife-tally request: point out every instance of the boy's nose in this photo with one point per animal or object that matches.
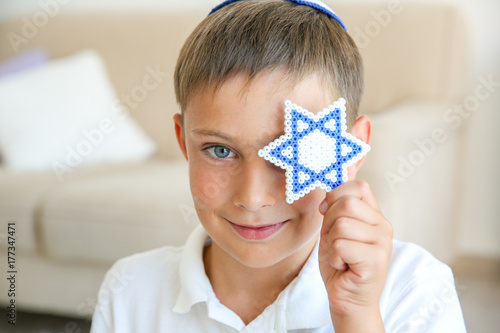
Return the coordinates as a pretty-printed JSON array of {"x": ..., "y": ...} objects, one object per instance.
[{"x": 256, "y": 186}]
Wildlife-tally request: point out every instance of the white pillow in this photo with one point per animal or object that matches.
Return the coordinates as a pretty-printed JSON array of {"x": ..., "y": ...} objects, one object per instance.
[{"x": 66, "y": 114}]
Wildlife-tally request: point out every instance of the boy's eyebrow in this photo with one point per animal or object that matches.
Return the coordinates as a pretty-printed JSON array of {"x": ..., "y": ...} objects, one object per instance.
[{"x": 209, "y": 132}]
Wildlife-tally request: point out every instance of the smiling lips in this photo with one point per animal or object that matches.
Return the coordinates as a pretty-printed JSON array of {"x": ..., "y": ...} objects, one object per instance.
[{"x": 257, "y": 233}]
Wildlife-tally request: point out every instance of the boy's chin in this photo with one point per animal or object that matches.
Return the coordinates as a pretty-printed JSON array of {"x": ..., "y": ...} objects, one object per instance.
[
  {"x": 258, "y": 255},
  {"x": 270, "y": 253},
  {"x": 258, "y": 262}
]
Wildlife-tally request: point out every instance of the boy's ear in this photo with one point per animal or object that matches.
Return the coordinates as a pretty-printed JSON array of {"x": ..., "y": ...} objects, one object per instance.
[
  {"x": 362, "y": 129},
  {"x": 179, "y": 133}
]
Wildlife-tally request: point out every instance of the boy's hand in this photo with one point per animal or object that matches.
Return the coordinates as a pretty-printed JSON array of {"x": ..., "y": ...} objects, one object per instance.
[{"x": 354, "y": 254}]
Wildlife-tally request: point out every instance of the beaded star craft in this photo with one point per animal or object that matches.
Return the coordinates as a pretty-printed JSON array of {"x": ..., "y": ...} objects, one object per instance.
[{"x": 315, "y": 150}]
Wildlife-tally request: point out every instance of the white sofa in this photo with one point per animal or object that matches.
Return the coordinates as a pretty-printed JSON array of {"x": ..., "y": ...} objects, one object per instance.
[{"x": 69, "y": 233}]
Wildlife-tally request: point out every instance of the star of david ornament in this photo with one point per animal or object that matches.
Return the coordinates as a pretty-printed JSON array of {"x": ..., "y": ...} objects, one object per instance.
[{"x": 315, "y": 150}]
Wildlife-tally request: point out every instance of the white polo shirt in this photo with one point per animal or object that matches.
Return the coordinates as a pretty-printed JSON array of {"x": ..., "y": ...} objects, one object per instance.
[{"x": 167, "y": 290}]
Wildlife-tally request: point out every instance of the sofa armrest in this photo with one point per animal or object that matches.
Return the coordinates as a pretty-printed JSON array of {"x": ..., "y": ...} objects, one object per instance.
[{"x": 414, "y": 169}]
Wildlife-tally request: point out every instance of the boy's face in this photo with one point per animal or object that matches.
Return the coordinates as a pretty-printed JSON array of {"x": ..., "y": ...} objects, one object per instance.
[{"x": 240, "y": 197}]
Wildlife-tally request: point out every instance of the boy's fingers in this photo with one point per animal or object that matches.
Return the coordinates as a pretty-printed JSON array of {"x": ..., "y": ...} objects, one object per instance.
[
  {"x": 352, "y": 229},
  {"x": 362, "y": 258},
  {"x": 356, "y": 188},
  {"x": 351, "y": 207}
]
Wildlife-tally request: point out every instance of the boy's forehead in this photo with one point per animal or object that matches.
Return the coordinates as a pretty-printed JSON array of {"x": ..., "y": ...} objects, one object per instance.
[
  {"x": 268, "y": 86},
  {"x": 268, "y": 83},
  {"x": 230, "y": 123},
  {"x": 243, "y": 107}
]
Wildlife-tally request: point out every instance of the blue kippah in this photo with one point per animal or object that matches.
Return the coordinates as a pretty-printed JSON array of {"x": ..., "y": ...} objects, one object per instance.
[{"x": 317, "y": 4}]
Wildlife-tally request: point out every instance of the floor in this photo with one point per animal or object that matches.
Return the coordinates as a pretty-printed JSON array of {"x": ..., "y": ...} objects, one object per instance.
[
  {"x": 40, "y": 323},
  {"x": 477, "y": 280}
]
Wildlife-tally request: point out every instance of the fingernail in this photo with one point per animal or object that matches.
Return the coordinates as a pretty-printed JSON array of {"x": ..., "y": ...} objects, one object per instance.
[{"x": 323, "y": 207}]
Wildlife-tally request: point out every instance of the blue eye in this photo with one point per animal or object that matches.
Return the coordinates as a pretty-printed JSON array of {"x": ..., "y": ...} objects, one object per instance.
[{"x": 220, "y": 152}]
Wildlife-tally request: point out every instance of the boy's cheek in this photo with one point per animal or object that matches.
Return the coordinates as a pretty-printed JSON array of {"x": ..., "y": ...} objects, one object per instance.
[
  {"x": 208, "y": 185},
  {"x": 308, "y": 206},
  {"x": 313, "y": 198}
]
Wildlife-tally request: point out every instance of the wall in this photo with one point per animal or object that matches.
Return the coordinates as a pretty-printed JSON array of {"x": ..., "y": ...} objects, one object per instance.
[{"x": 479, "y": 232}]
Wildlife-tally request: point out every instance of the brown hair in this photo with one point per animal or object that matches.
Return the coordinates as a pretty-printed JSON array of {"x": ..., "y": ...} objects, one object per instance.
[{"x": 253, "y": 36}]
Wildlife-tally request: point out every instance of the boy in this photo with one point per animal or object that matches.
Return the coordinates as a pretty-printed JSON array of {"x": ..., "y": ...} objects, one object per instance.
[{"x": 325, "y": 263}]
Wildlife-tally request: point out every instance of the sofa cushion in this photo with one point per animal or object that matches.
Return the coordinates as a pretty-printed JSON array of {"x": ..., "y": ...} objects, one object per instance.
[
  {"x": 106, "y": 217},
  {"x": 23, "y": 61},
  {"x": 19, "y": 198},
  {"x": 22, "y": 195},
  {"x": 66, "y": 114},
  {"x": 410, "y": 50}
]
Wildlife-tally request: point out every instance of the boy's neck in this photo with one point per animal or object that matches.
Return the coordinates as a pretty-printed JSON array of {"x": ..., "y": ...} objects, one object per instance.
[{"x": 248, "y": 291}]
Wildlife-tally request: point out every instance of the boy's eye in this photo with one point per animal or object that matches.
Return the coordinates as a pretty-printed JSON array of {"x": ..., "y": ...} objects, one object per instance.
[{"x": 220, "y": 152}]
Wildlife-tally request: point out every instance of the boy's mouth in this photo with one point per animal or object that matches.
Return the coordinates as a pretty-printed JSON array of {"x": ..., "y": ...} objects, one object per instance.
[{"x": 257, "y": 232}]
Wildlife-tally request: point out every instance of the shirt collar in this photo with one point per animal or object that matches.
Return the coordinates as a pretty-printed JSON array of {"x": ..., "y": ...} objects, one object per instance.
[
  {"x": 307, "y": 304},
  {"x": 194, "y": 282},
  {"x": 195, "y": 285},
  {"x": 304, "y": 301}
]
